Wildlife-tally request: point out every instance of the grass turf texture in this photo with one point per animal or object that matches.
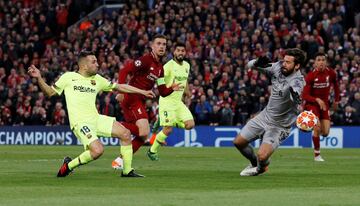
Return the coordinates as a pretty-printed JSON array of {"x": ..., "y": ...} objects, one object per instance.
[{"x": 183, "y": 176}]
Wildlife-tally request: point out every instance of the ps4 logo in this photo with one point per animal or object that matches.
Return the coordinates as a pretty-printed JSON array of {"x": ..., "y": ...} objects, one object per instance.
[{"x": 190, "y": 138}]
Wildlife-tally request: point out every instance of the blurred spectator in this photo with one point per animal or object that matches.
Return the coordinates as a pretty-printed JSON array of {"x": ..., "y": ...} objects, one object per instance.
[
  {"x": 226, "y": 115},
  {"x": 38, "y": 116},
  {"x": 108, "y": 108},
  {"x": 356, "y": 105},
  {"x": 58, "y": 114},
  {"x": 242, "y": 107},
  {"x": 215, "y": 116},
  {"x": 350, "y": 118},
  {"x": 202, "y": 110}
]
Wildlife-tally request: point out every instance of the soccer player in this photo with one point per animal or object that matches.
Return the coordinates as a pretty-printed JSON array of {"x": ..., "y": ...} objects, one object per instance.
[
  {"x": 274, "y": 122},
  {"x": 145, "y": 72},
  {"x": 80, "y": 89},
  {"x": 316, "y": 95},
  {"x": 172, "y": 111}
]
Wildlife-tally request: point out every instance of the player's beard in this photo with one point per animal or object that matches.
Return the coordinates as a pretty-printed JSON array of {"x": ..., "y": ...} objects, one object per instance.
[
  {"x": 179, "y": 58},
  {"x": 287, "y": 72}
]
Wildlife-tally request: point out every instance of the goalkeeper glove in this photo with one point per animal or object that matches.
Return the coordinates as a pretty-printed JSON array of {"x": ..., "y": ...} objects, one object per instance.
[
  {"x": 262, "y": 62},
  {"x": 294, "y": 96}
]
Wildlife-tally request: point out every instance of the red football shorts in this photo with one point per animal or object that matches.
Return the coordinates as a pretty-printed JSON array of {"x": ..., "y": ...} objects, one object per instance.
[
  {"x": 133, "y": 108},
  {"x": 321, "y": 114}
]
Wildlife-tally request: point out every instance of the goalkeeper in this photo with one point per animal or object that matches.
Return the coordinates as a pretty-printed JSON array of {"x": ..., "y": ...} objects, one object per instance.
[
  {"x": 273, "y": 123},
  {"x": 172, "y": 111}
]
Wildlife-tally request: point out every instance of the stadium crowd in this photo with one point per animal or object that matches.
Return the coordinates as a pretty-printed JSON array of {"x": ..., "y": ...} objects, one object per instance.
[{"x": 220, "y": 37}]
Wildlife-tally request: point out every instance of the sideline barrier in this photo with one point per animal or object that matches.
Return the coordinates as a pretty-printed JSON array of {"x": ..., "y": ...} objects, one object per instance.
[{"x": 200, "y": 136}]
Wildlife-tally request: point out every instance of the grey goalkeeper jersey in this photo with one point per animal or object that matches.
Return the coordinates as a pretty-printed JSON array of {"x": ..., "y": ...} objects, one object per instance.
[{"x": 282, "y": 108}]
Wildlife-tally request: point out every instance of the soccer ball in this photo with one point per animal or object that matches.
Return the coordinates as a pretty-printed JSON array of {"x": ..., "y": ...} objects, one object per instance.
[{"x": 306, "y": 121}]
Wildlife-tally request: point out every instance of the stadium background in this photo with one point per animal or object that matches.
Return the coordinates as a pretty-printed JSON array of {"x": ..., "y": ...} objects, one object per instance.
[{"x": 220, "y": 38}]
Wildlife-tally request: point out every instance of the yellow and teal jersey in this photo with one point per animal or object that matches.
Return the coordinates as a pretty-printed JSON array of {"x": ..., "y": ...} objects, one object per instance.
[
  {"x": 174, "y": 72},
  {"x": 80, "y": 94}
]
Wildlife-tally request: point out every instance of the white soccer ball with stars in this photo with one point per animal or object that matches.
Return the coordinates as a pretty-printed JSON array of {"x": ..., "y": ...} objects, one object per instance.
[{"x": 306, "y": 121}]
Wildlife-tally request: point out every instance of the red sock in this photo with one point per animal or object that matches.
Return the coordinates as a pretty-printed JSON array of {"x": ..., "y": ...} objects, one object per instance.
[
  {"x": 137, "y": 142},
  {"x": 316, "y": 141},
  {"x": 134, "y": 130}
]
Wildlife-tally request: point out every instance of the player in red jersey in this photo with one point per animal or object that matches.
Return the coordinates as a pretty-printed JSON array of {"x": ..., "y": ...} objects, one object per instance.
[
  {"x": 316, "y": 95},
  {"x": 145, "y": 72}
]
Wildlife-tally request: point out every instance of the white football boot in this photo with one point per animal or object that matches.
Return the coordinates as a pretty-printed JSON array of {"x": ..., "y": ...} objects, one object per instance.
[
  {"x": 117, "y": 163},
  {"x": 249, "y": 171},
  {"x": 318, "y": 159}
]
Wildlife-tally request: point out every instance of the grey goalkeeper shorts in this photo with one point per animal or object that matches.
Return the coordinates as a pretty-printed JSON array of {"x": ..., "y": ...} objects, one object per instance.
[{"x": 260, "y": 128}]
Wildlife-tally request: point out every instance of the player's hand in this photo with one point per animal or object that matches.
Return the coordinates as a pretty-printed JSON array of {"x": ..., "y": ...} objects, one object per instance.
[
  {"x": 295, "y": 96},
  {"x": 176, "y": 86},
  {"x": 262, "y": 62},
  {"x": 34, "y": 72},
  {"x": 321, "y": 104},
  {"x": 149, "y": 94},
  {"x": 119, "y": 97}
]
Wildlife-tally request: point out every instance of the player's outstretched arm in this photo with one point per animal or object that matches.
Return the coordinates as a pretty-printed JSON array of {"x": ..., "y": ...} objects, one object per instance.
[
  {"x": 262, "y": 64},
  {"x": 35, "y": 72},
  {"x": 130, "y": 89}
]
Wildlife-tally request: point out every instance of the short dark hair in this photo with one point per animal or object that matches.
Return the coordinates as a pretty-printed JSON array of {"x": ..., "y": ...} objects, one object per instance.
[
  {"x": 179, "y": 44},
  {"x": 322, "y": 54},
  {"x": 85, "y": 53},
  {"x": 159, "y": 36},
  {"x": 298, "y": 54}
]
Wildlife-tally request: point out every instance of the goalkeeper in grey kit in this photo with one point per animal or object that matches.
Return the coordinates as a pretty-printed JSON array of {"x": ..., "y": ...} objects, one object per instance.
[{"x": 273, "y": 123}]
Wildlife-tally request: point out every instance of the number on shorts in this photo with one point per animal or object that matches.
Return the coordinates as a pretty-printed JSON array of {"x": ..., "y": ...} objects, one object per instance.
[
  {"x": 139, "y": 110},
  {"x": 165, "y": 114},
  {"x": 85, "y": 130},
  {"x": 283, "y": 135}
]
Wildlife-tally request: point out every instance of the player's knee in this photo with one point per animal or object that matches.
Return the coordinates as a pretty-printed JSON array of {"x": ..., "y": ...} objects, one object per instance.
[
  {"x": 240, "y": 141},
  {"x": 143, "y": 132},
  {"x": 317, "y": 129},
  {"x": 325, "y": 133},
  {"x": 189, "y": 125},
  {"x": 167, "y": 130},
  {"x": 96, "y": 152},
  {"x": 125, "y": 135}
]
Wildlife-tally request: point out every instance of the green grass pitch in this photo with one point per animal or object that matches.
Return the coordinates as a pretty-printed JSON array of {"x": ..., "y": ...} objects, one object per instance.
[{"x": 183, "y": 176}]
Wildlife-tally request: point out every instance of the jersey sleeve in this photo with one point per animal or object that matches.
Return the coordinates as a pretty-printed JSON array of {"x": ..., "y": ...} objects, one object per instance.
[
  {"x": 104, "y": 84},
  {"x": 306, "y": 94},
  {"x": 61, "y": 83},
  {"x": 139, "y": 64},
  {"x": 167, "y": 73},
  {"x": 163, "y": 89},
  {"x": 161, "y": 80},
  {"x": 268, "y": 70}
]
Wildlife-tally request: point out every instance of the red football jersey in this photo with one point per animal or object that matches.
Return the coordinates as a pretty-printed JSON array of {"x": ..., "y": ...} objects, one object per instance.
[
  {"x": 145, "y": 71},
  {"x": 318, "y": 85}
]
